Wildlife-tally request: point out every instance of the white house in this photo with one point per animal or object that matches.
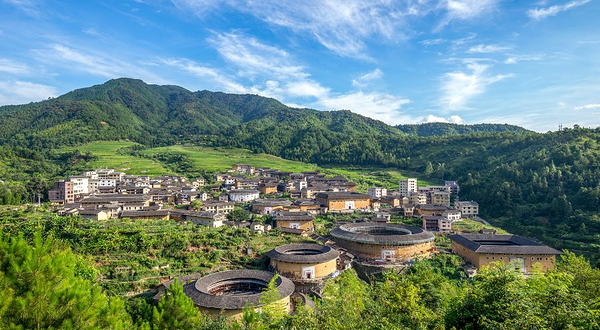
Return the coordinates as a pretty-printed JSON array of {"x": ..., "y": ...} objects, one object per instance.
[
  {"x": 468, "y": 208},
  {"x": 377, "y": 192},
  {"x": 243, "y": 195},
  {"x": 80, "y": 184}
]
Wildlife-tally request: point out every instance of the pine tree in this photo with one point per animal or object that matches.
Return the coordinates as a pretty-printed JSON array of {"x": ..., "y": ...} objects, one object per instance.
[
  {"x": 175, "y": 311},
  {"x": 40, "y": 289}
]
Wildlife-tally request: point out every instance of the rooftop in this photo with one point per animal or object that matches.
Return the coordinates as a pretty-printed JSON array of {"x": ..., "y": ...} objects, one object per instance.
[
  {"x": 507, "y": 244},
  {"x": 342, "y": 195},
  {"x": 303, "y": 253},
  {"x": 234, "y": 289},
  {"x": 381, "y": 233}
]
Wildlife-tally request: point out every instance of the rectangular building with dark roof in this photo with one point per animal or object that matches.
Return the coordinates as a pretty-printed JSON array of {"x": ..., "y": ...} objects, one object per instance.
[{"x": 482, "y": 249}]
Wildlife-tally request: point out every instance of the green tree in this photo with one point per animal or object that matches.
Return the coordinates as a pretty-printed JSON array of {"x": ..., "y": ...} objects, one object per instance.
[
  {"x": 176, "y": 311},
  {"x": 41, "y": 290}
]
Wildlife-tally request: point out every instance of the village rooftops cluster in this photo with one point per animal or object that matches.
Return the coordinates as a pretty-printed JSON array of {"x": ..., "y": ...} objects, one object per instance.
[{"x": 106, "y": 193}]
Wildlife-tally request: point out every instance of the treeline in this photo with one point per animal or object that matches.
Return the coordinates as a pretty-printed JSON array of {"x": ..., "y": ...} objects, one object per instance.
[
  {"x": 43, "y": 285},
  {"x": 26, "y": 174}
]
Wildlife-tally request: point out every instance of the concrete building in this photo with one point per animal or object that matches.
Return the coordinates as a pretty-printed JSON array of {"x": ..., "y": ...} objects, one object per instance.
[
  {"x": 467, "y": 208},
  {"x": 482, "y": 249},
  {"x": 377, "y": 192},
  {"x": 243, "y": 195},
  {"x": 453, "y": 186},
  {"x": 61, "y": 193},
  {"x": 80, "y": 185},
  {"x": 440, "y": 198},
  {"x": 217, "y": 207},
  {"x": 437, "y": 224},
  {"x": 407, "y": 186}
]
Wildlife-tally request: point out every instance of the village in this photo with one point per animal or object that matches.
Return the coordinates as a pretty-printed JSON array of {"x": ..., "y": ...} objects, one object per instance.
[{"x": 290, "y": 202}]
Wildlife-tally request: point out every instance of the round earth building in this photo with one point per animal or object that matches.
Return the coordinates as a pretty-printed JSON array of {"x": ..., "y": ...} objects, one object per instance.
[
  {"x": 388, "y": 242},
  {"x": 229, "y": 292},
  {"x": 304, "y": 262}
]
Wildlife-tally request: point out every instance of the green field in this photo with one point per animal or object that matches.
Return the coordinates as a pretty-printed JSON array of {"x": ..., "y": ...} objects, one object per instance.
[
  {"x": 221, "y": 159},
  {"x": 109, "y": 157}
]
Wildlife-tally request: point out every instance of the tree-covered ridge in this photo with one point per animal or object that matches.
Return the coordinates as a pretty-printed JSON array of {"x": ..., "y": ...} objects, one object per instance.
[
  {"x": 441, "y": 129},
  {"x": 161, "y": 115}
]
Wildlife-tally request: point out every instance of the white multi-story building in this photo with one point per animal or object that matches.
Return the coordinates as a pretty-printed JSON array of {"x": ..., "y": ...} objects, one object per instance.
[
  {"x": 468, "y": 208},
  {"x": 80, "y": 184},
  {"x": 417, "y": 198},
  {"x": 377, "y": 192},
  {"x": 243, "y": 195},
  {"x": 452, "y": 215},
  {"x": 407, "y": 186}
]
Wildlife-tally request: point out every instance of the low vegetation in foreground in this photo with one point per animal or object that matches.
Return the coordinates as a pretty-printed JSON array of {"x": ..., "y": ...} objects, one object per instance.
[{"x": 47, "y": 280}]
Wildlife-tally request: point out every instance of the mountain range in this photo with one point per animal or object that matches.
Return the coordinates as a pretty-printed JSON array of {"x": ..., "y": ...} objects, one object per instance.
[{"x": 152, "y": 114}]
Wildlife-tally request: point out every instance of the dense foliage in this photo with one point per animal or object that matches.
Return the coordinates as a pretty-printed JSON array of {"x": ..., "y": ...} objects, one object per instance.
[{"x": 45, "y": 285}]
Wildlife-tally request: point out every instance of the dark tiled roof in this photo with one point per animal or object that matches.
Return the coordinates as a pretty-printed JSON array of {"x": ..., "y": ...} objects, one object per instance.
[
  {"x": 358, "y": 232},
  {"x": 507, "y": 244},
  {"x": 244, "y": 191},
  {"x": 432, "y": 207},
  {"x": 198, "y": 291},
  {"x": 294, "y": 216},
  {"x": 135, "y": 214},
  {"x": 294, "y": 231},
  {"x": 316, "y": 253},
  {"x": 272, "y": 202},
  {"x": 342, "y": 195}
]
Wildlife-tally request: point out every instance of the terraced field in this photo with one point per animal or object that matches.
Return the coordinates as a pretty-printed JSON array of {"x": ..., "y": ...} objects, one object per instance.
[{"x": 111, "y": 155}]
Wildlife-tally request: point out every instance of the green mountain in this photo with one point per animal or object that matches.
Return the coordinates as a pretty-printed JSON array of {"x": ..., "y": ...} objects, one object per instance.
[
  {"x": 160, "y": 115},
  {"x": 441, "y": 129}
]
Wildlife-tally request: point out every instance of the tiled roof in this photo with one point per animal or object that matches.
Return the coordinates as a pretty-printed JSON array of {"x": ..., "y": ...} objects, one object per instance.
[
  {"x": 506, "y": 244},
  {"x": 292, "y": 253},
  {"x": 198, "y": 291}
]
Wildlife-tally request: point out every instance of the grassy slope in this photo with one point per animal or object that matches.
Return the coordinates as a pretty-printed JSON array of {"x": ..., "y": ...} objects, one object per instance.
[
  {"x": 108, "y": 157},
  {"x": 221, "y": 159}
]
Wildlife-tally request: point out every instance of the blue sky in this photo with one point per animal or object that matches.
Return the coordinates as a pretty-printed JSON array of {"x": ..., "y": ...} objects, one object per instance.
[{"x": 533, "y": 64}]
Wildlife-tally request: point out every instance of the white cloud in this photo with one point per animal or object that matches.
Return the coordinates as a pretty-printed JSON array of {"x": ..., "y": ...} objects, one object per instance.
[
  {"x": 435, "y": 119},
  {"x": 488, "y": 49},
  {"x": 366, "y": 78},
  {"x": 94, "y": 63},
  {"x": 466, "y": 9},
  {"x": 514, "y": 59},
  {"x": 269, "y": 71},
  {"x": 12, "y": 67},
  {"x": 588, "y": 106},
  {"x": 541, "y": 13},
  {"x": 18, "y": 92},
  {"x": 431, "y": 42},
  {"x": 221, "y": 79},
  {"x": 306, "y": 88},
  {"x": 384, "y": 107},
  {"x": 27, "y": 6},
  {"x": 345, "y": 27},
  {"x": 460, "y": 87},
  {"x": 254, "y": 57}
]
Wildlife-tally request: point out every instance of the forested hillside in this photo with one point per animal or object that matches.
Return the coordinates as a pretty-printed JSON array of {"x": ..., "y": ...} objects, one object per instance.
[
  {"x": 440, "y": 129},
  {"x": 541, "y": 185}
]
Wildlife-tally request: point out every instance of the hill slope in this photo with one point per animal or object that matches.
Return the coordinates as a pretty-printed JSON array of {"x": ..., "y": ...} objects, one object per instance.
[{"x": 161, "y": 115}]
